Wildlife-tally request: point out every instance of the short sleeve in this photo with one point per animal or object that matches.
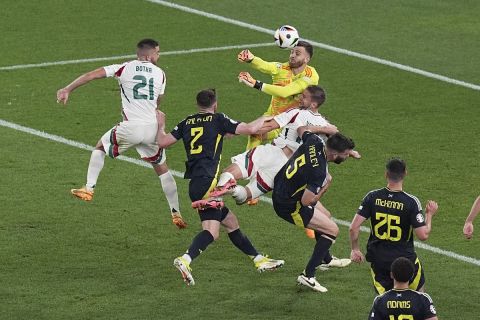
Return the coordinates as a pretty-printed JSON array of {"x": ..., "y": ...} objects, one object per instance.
[
  {"x": 374, "y": 313},
  {"x": 227, "y": 125},
  {"x": 365, "y": 207},
  {"x": 428, "y": 307},
  {"x": 286, "y": 117},
  {"x": 417, "y": 219},
  {"x": 113, "y": 69},
  {"x": 177, "y": 132},
  {"x": 316, "y": 180}
]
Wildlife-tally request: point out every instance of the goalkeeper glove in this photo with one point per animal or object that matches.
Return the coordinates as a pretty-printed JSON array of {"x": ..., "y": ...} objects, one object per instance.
[
  {"x": 247, "y": 79},
  {"x": 245, "y": 56}
]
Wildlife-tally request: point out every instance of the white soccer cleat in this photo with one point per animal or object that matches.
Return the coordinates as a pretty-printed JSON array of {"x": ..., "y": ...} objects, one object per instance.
[
  {"x": 267, "y": 264},
  {"x": 335, "y": 263},
  {"x": 184, "y": 268},
  {"x": 312, "y": 283}
]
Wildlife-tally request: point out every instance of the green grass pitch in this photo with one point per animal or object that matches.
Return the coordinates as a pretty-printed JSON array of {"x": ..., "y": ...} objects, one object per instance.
[{"x": 61, "y": 258}]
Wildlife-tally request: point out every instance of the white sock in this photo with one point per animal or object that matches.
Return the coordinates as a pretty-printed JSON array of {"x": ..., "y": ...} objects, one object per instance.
[
  {"x": 169, "y": 187},
  {"x": 258, "y": 257},
  {"x": 224, "y": 178},
  {"x": 95, "y": 165},
  {"x": 187, "y": 258},
  {"x": 239, "y": 194}
]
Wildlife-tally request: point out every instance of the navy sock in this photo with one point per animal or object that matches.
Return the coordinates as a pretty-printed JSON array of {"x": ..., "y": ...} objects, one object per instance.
[
  {"x": 241, "y": 242},
  {"x": 321, "y": 248},
  {"x": 200, "y": 243},
  {"x": 328, "y": 256}
]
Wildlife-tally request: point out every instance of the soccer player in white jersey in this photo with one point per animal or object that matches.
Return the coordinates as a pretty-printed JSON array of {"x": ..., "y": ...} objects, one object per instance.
[
  {"x": 142, "y": 86},
  {"x": 260, "y": 165}
]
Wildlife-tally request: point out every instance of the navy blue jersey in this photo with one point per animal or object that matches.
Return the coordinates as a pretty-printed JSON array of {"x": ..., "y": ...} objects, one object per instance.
[
  {"x": 402, "y": 304},
  {"x": 202, "y": 135},
  {"x": 393, "y": 216},
  {"x": 306, "y": 169}
]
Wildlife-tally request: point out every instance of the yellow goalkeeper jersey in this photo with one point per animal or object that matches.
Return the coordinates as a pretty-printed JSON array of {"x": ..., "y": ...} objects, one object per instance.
[{"x": 286, "y": 86}]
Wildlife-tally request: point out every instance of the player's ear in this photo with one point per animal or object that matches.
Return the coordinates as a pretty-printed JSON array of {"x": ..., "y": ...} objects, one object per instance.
[{"x": 391, "y": 275}]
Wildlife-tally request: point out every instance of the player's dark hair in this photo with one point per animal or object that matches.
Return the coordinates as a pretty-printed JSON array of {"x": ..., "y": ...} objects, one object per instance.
[
  {"x": 339, "y": 142},
  {"x": 396, "y": 169},
  {"x": 317, "y": 94},
  {"x": 308, "y": 47},
  {"x": 147, "y": 44},
  {"x": 402, "y": 269},
  {"x": 206, "y": 98}
]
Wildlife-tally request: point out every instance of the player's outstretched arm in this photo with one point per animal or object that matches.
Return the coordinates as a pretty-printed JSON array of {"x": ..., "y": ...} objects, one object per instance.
[
  {"x": 296, "y": 87},
  {"x": 356, "y": 255},
  {"x": 423, "y": 233},
  {"x": 63, "y": 94},
  {"x": 468, "y": 227},
  {"x": 251, "y": 127},
  {"x": 329, "y": 129},
  {"x": 163, "y": 139},
  {"x": 268, "y": 126}
]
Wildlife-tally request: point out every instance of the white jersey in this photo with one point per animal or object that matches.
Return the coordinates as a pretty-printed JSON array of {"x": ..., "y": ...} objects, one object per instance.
[
  {"x": 141, "y": 82},
  {"x": 292, "y": 119}
]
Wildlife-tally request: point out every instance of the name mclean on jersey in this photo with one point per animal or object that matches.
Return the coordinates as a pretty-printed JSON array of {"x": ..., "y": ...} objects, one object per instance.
[{"x": 199, "y": 119}]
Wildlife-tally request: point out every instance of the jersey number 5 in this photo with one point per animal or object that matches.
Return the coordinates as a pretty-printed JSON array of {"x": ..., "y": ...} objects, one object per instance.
[
  {"x": 291, "y": 170},
  {"x": 393, "y": 226},
  {"x": 196, "y": 133},
  {"x": 141, "y": 85}
]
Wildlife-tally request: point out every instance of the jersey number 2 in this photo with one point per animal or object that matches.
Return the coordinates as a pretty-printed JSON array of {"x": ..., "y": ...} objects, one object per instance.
[
  {"x": 196, "y": 133},
  {"x": 393, "y": 225},
  {"x": 141, "y": 85}
]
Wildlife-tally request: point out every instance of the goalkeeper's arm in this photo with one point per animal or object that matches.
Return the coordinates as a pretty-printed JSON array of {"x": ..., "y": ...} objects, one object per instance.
[
  {"x": 257, "y": 63},
  {"x": 296, "y": 87}
]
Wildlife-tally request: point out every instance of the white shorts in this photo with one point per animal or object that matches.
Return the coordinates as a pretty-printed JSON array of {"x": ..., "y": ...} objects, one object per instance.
[
  {"x": 141, "y": 135},
  {"x": 260, "y": 165}
]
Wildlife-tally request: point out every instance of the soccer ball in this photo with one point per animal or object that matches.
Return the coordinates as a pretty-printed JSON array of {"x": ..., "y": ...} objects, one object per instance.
[{"x": 286, "y": 37}]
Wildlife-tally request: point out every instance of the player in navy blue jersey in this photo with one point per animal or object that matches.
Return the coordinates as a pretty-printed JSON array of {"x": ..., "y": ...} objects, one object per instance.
[
  {"x": 394, "y": 216},
  {"x": 402, "y": 303},
  {"x": 298, "y": 187},
  {"x": 202, "y": 134}
]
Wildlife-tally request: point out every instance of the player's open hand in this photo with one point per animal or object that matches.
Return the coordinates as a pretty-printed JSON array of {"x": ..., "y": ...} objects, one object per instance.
[
  {"x": 357, "y": 256},
  {"x": 468, "y": 229},
  {"x": 246, "y": 78},
  {"x": 62, "y": 96},
  {"x": 245, "y": 56}
]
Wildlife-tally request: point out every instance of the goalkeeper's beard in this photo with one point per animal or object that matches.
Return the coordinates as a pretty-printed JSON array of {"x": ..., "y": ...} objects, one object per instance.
[{"x": 294, "y": 65}]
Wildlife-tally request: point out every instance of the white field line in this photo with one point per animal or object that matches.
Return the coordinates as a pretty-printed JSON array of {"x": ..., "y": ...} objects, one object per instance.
[
  {"x": 131, "y": 56},
  {"x": 321, "y": 45},
  {"x": 83, "y": 146}
]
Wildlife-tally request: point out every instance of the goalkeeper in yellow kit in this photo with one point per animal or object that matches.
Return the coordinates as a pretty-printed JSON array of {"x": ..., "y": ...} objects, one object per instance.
[{"x": 289, "y": 80}]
